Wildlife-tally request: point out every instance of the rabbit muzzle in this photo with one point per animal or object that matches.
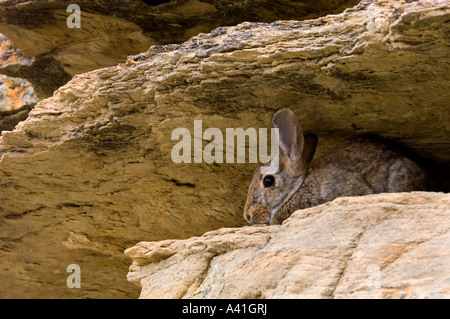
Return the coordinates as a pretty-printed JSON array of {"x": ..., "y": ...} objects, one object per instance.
[{"x": 257, "y": 214}]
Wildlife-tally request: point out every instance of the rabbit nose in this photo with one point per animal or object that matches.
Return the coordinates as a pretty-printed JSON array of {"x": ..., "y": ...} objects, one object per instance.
[{"x": 257, "y": 214}]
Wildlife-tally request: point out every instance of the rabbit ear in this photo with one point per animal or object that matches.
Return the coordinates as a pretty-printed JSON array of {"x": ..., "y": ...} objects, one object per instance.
[
  {"x": 291, "y": 142},
  {"x": 309, "y": 149}
]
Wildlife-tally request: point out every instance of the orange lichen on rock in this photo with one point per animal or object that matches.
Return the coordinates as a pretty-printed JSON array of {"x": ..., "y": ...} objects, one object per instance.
[
  {"x": 8, "y": 53},
  {"x": 395, "y": 292},
  {"x": 15, "y": 93}
]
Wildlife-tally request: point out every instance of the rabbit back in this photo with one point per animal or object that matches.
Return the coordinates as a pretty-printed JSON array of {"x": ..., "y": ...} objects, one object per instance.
[{"x": 359, "y": 166}]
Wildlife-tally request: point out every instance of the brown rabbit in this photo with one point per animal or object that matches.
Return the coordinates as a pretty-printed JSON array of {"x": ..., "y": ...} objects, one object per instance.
[{"x": 359, "y": 166}]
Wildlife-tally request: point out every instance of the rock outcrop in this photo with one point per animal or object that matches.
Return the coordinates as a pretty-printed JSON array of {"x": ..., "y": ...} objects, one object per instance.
[
  {"x": 376, "y": 246},
  {"x": 111, "y": 30},
  {"x": 89, "y": 173}
]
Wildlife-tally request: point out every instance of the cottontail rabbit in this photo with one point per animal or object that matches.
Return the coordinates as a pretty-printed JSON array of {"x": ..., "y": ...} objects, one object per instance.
[{"x": 359, "y": 166}]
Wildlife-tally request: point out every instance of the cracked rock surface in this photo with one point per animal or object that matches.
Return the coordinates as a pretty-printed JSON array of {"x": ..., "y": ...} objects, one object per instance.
[
  {"x": 376, "y": 246},
  {"x": 89, "y": 172}
]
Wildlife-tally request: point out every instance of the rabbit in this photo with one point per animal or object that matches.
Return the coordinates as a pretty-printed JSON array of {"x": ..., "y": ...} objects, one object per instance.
[{"x": 358, "y": 166}]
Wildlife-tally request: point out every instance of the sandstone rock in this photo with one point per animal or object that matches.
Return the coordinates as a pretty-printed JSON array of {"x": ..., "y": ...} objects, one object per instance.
[
  {"x": 112, "y": 30},
  {"x": 376, "y": 246},
  {"x": 89, "y": 173}
]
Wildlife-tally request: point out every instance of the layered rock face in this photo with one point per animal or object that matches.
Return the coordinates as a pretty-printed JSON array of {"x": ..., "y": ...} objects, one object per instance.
[
  {"x": 90, "y": 173},
  {"x": 376, "y": 246},
  {"x": 111, "y": 30}
]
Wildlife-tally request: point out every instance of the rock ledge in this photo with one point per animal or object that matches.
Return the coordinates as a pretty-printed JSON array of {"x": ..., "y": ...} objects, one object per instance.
[{"x": 376, "y": 246}]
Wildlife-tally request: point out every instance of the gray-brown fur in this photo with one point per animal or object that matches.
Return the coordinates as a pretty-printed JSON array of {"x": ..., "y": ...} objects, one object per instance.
[{"x": 359, "y": 166}]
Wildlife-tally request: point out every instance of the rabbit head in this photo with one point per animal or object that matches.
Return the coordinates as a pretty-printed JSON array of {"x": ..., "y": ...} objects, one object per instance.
[{"x": 268, "y": 192}]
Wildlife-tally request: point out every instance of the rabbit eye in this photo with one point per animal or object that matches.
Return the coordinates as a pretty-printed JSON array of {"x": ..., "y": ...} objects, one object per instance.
[{"x": 268, "y": 181}]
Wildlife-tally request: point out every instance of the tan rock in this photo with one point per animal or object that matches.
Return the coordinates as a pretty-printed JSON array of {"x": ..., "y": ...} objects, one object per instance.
[
  {"x": 110, "y": 30},
  {"x": 376, "y": 246},
  {"x": 89, "y": 173}
]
